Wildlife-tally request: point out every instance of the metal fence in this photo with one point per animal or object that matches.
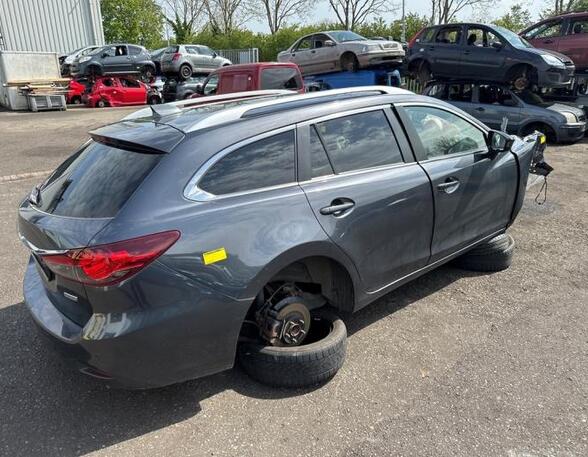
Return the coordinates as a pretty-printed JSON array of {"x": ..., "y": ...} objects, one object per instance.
[
  {"x": 411, "y": 84},
  {"x": 240, "y": 55}
]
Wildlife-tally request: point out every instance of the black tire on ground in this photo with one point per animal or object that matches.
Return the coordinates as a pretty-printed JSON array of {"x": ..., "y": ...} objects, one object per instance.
[
  {"x": 494, "y": 255},
  {"x": 349, "y": 62},
  {"x": 298, "y": 366},
  {"x": 185, "y": 71},
  {"x": 543, "y": 128},
  {"x": 77, "y": 100}
]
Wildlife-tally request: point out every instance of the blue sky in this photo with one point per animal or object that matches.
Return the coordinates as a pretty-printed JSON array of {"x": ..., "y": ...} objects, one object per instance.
[{"x": 497, "y": 8}]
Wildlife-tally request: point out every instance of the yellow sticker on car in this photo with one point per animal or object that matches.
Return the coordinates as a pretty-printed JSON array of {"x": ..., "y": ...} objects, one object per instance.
[
  {"x": 542, "y": 139},
  {"x": 214, "y": 256}
]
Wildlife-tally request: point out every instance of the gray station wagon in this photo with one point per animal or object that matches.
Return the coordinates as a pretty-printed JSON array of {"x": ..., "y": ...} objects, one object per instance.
[
  {"x": 240, "y": 226},
  {"x": 524, "y": 111}
]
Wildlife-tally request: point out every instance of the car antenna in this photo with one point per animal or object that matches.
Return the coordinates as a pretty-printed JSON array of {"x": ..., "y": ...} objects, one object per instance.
[{"x": 160, "y": 111}]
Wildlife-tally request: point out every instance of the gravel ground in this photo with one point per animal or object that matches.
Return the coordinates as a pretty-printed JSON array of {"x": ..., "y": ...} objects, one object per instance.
[{"x": 454, "y": 363}]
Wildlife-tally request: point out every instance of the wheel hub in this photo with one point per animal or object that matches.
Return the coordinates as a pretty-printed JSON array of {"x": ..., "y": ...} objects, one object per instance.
[{"x": 284, "y": 323}]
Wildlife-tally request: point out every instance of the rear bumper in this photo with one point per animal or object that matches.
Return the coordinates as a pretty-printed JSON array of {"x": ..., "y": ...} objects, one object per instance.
[
  {"x": 380, "y": 58},
  {"x": 556, "y": 77},
  {"x": 141, "y": 348},
  {"x": 170, "y": 67}
]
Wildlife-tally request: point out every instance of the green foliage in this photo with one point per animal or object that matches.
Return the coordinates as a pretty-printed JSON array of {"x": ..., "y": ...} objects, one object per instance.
[
  {"x": 269, "y": 45},
  {"x": 557, "y": 7},
  {"x": 517, "y": 19},
  {"x": 132, "y": 21}
]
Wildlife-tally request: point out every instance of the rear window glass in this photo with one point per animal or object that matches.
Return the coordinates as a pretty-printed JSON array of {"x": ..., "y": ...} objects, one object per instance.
[
  {"x": 264, "y": 163},
  {"x": 280, "y": 78},
  {"x": 95, "y": 182},
  {"x": 359, "y": 141},
  {"x": 172, "y": 49}
]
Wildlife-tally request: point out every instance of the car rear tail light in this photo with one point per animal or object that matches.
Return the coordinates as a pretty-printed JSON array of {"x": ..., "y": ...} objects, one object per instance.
[
  {"x": 176, "y": 56},
  {"x": 108, "y": 264}
]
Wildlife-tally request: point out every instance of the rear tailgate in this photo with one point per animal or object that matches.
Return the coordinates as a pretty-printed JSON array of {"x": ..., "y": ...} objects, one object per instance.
[{"x": 78, "y": 200}]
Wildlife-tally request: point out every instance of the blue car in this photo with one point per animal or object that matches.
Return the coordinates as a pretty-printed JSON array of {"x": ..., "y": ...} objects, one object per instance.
[{"x": 523, "y": 111}]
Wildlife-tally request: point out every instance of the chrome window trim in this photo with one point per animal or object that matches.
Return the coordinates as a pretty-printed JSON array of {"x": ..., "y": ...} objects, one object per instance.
[
  {"x": 362, "y": 171},
  {"x": 194, "y": 193}
]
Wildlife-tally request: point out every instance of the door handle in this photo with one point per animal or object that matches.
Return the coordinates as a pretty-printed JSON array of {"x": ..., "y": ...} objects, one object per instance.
[
  {"x": 480, "y": 109},
  {"x": 449, "y": 186},
  {"x": 547, "y": 41},
  {"x": 313, "y": 51},
  {"x": 337, "y": 207},
  {"x": 467, "y": 53}
]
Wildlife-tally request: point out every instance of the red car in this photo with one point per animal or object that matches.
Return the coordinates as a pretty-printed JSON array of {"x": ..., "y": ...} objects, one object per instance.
[
  {"x": 566, "y": 34},
  {"x": 76, "y": 90},
  {"x": 119, "y": 91},
  {"x": 252, "y": 76}
]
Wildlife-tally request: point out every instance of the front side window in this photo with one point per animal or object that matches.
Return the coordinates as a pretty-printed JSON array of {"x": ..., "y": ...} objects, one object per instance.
[
  {"x": 443, "y": 133},
  {"x": 547, "y": 30},
  {"x": 359, "y": 141},
  {"x": 280, "y": 78},
  {"x": 211, "y": 85},
  {"x": 449, "y": 35},
  {"x": 205, "y": 51},
  {"x": 264, "y": 163},
  {"x": 135, "y": 50},
  {"x": 304, "y": 44}
]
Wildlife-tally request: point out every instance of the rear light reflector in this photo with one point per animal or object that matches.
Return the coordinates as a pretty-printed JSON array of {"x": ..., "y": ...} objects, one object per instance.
[
  {"x": 176, "y": 56},
  {"x": 415, "y": 37},
  {"x": 108, "y": 264}
]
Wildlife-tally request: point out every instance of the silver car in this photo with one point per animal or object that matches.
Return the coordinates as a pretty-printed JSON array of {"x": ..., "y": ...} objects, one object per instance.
[
  {"x": 186, "y": 59},
  {"x": 340, "y": 50}
]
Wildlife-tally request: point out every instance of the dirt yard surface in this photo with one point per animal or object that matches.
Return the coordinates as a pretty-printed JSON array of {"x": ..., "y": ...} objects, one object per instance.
[{"x": 454, "y": 363}]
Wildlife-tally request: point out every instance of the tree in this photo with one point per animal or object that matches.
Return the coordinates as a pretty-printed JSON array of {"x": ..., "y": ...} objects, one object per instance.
[
  {"x": 132, "y": 21},
  {"x": 565, "y": 6},
  {"x": 353, "y": 13},
  {"x": 517, "y": 19},
  {"x": 444, "y": 11},
  {"x": 276, "y": 13},
  {"x": 183, "y": 16},
  {"x": 225, "y": 16}
]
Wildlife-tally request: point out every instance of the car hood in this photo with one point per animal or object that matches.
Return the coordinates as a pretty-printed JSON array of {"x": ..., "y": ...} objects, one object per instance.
[
  {"x": 542, "y": 52},
  {"x": 561, "y": 108}
]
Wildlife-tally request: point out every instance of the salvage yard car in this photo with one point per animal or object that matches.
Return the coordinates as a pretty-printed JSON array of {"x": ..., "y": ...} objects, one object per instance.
[
  {"x": 340, "y": 50},
  {"x": 525, "y": 111},
  {"x": 185, "y": 236},
  {"x": 115, "y": 59},
  {"x": 119, "y": 91},
  {"x": 485, "y": 53},
  {"x": 187, "y": 59}
]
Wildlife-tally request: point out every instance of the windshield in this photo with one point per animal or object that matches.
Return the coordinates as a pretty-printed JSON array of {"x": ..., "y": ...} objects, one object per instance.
[
  {"x": 513, "y": 38},
  {"x": 342, "y": 37},
  {"x": 97, "y": 50}
]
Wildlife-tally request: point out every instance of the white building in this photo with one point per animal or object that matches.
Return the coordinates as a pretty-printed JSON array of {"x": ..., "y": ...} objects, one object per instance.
[{"x": 59, "y": 26}]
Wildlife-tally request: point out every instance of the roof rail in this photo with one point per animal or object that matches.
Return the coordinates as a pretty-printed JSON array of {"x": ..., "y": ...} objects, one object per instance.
[{"x": 157, "y": 111}]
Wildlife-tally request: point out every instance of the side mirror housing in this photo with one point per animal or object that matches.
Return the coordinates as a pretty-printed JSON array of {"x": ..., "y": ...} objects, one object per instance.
[
  {"x": 497, "y": 45},
  {"x": 499, "y": 141},
  {"x": 199, "y": 88},
  {"x": 329, "y": 43}
]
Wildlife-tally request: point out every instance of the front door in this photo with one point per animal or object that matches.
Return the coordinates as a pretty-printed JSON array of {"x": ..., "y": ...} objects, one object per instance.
[
  {"x": 546, "y": 35},
  {"x": 495, "y": 103},
  {"x": 484, "y": 53},
  {"x": 117, "y": 59},
  {"x": 474, "y": 191},
  {"x": 574, "y": 43},
  {"x": 133, "y": 92},
  {"x": 301, "y": 54},
  {"x": 373, "y": 203}
]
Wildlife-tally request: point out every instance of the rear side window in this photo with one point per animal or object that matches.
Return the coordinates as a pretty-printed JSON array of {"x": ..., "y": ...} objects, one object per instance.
[
  {"x": 460, "y": 92},
  {"x": 172, "y": 50},
  {"x": 449, "y": 35},
  {"x": 239, "y": 82},
  {"x": 95, "y": 182},
  {"x": 264, "y": 163},
  {"x": 363, "y": 140},
  {"x": 280, "y": 78}
]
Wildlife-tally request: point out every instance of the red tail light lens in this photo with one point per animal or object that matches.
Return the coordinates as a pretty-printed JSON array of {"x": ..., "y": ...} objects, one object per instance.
[
  {"x": 176, "y": 56},
  {"x": 414, "y": 38},
  {"x": 108, "y": 264}
]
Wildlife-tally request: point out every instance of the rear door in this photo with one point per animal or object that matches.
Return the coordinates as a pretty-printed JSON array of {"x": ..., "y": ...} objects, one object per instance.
[
  {"x": 301, "y": 54},
  {"x": 474, "y": 191},
  {"x": 574, "y": 43},
  {"x": 446, "y": 51},
  {"x": 372, "y": 201}
]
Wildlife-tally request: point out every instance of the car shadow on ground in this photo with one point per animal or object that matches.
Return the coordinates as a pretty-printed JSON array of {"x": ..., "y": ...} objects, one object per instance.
[{"x": 48, "y": 409}]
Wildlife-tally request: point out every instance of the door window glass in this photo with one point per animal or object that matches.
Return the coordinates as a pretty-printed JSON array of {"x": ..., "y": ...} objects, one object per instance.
[
  {"x": 359, "y": 141},
  {"x": 237, "y": 82},
  {"x": 438, "y": 91},
  {"x": 192, "y": 50},
  {"x": 460, "y": 92},
  {"x": 121, "y": 51},
  {"x": 134, "y": 50},
  {"x": 579, "y": 27},
  {"x": 318, "y": 156},
  {"x": 129, "y": 83},
  {"x": 547, "y": 30},
  {"x": 305, "y": 44},
  {"x": 492, "y": 40},
  {"x": 496, "y": 95},
  {"x": 449, "y": 35},
  {"x": 205, "y": 50},
  {"x": 319, "y": 40},
  {"x": 475, "y": 37},
  {"x": 211, "y": 85},
  {"x": 426, "y": 36},
  {"x": 264, "y": 163},
  {"x": 280, "y": 78},
  {"x": 443, "y": 133}
]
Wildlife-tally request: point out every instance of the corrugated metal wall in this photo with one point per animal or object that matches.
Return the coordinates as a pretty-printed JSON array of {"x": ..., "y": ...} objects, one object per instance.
[{"x": 49, "y": 25}]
